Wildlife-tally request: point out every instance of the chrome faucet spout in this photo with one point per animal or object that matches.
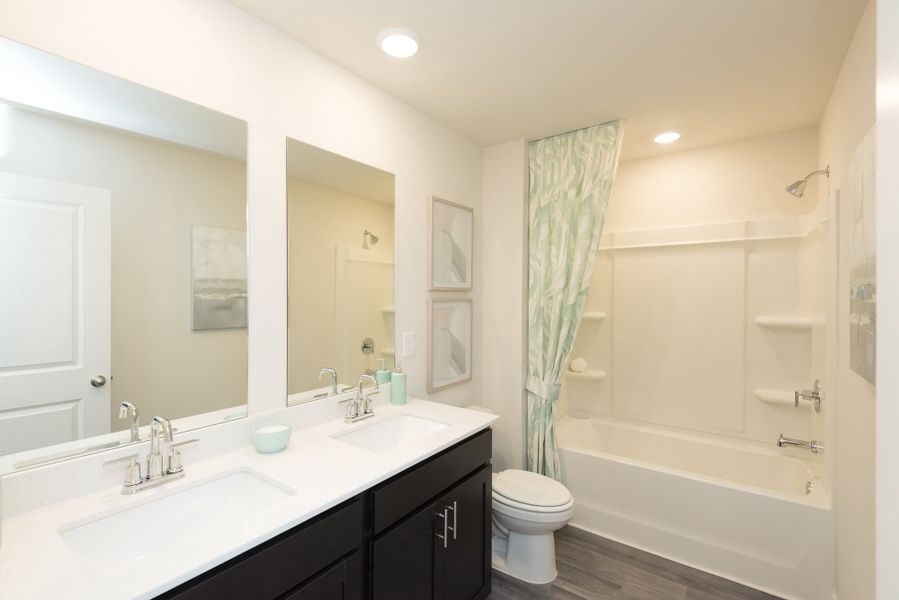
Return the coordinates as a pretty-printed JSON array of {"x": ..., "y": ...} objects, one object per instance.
[
  {"x": 365, "y": 377},
  {"x": 333, "y": 374},
  {"x": 813, "y": 446},
  {"x": 126, "y": 409},
  {"x": 160, "y": 427}
]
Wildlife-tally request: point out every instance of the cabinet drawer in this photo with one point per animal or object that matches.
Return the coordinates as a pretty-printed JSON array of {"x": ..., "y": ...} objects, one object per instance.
[
  {"x": 282, "y": 563},
  {"x": 343, "y": 581},
  {"x": 401, "y": 495}
]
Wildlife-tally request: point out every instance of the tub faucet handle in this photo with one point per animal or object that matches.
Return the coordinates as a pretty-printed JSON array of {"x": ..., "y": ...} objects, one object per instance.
[{"x": 813, "y": 395}]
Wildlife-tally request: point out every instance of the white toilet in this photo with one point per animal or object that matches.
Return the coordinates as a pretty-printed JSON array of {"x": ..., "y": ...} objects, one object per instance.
[{"x": 527, "y": 509}]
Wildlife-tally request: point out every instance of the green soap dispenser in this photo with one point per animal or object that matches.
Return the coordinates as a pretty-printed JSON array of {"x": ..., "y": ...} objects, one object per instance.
[
  {"x": 382, "y": 374},
  {"x": 398, "y": 386}
]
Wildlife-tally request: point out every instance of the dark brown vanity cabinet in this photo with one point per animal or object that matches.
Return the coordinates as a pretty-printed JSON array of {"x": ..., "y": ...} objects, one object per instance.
[
  {"x": 442, "y": 552},
  {"x": 423, "y": 534}
]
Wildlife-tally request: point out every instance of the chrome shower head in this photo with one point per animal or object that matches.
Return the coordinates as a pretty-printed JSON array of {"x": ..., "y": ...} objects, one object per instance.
[
  {"x": 368, "y": 237},
  {"x": 797, "y": 188}
]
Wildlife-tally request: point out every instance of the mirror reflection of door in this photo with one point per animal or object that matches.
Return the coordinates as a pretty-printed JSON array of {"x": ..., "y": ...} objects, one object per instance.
[
  {"x": 122, "y": 260},
  {"x": 55, "y": 331},
  {"x": 340, "y": 270}
]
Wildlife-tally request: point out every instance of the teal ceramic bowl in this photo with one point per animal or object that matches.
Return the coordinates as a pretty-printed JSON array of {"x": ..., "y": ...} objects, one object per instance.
[{"x": 271, "y": 437}]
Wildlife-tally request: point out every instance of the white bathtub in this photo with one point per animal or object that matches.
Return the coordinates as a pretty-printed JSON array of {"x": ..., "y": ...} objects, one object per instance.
[{"x": 735, "y": 510}]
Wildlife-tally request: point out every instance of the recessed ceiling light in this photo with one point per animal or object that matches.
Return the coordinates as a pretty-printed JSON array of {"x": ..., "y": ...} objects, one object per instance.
[
  {"x": 667, "y": 137},
  {"x": 398, "y": 42}
]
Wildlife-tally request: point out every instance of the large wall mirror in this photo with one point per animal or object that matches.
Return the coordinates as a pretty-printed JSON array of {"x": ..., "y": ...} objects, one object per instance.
[
  {"x": 123, "y": 263},
  {"x": 340, "y": 221}
]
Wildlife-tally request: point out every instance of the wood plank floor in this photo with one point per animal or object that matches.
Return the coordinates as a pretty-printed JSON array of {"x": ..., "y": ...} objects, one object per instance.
[{"x": 594, "y": 568}]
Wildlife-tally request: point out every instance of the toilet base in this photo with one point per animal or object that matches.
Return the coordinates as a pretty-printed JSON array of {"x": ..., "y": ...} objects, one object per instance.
[{"x": 530, "y": 558}]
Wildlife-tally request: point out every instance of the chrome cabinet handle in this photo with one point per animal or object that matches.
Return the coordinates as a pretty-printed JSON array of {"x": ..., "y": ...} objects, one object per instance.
[
  {"x": 455, "y": 518},
  {"x": 445, "y": 536},
  {"x": 98, "y": 381}
]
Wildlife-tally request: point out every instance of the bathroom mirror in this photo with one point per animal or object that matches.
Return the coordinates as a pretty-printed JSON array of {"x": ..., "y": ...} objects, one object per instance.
[
  {"x": 122, "y": 260},
  {"x": 340, "y": 221}
]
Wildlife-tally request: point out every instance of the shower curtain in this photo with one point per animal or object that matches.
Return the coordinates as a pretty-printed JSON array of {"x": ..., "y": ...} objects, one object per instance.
[{"x": 570, "y": 182}]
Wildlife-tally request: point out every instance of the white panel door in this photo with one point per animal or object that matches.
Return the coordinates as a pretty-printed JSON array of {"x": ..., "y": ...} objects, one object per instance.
[{"x": 54, "y": 312}]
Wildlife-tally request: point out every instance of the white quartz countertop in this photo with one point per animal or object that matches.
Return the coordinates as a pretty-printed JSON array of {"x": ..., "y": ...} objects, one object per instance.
[{"x": 36, "y": 562}]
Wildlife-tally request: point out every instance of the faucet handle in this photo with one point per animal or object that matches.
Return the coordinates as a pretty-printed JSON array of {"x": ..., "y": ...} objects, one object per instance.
[
  {"x": 176, "y": 464},
  {"x": 367, "y": 395},
  {"x": 352, "y": 409},
  {"x": 133, "y": 475},
  {"x": 185, "y": 442}
]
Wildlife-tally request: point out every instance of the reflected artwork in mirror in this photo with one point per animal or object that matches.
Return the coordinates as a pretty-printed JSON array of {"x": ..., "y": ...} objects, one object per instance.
[
  {"x": 114, "y": 309},
  {"x": 340, "y": 219}
]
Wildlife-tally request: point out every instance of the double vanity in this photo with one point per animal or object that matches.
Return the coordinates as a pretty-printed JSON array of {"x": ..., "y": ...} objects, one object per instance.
[
  {"x": 130, "y": 389},
  {"x": 392, "y": 507}
]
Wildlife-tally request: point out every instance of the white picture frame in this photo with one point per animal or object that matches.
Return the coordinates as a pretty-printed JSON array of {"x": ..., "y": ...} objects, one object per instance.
[
  {"x": 450, "y": 245},
  {"x": 449, "y": 343}
]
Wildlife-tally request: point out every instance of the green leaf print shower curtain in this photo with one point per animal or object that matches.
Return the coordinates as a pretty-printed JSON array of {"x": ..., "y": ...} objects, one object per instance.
[{"x": 571, "y": 179}]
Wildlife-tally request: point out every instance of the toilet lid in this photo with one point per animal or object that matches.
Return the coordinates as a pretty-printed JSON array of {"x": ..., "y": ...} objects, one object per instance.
[{"x": 530, "y": 488}]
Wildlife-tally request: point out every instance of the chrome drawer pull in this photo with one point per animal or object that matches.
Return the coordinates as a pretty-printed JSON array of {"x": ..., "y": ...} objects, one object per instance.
[
  {"x": 455, "y": 518},
  {"x": 445, "y": 536}
]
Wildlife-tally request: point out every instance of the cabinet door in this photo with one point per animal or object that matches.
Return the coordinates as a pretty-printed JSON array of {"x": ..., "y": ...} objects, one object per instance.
[
  {"x": 404, "y": 559},
  {"x": 343, "y": 581},
  {"x": 466, "y": 567}
]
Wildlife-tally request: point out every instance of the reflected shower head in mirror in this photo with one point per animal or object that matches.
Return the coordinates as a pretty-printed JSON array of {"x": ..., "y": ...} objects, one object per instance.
[
  {"x": 368, "y": 238},
  {"x": 797, "y": 188}
]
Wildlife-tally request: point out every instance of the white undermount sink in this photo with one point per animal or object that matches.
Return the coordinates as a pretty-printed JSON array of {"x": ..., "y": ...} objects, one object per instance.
[
  {"x": 173, "y": 519},
  {"x": 391, "y": 433}
]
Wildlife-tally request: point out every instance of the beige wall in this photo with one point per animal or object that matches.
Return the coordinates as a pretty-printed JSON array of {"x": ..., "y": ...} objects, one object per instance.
[
  {"x": 680, "y": 311},
  {"x": 849, "y": 116},
  {"x": 505, "y": 265},
  {"x": 318, "y": 220},
  {"x": 726, "y": 182},
  {"x": 158, "y": 191}
]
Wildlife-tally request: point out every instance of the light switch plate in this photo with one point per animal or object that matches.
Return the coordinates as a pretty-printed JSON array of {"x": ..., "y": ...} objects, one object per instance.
[{"x": 408, "y": 344}]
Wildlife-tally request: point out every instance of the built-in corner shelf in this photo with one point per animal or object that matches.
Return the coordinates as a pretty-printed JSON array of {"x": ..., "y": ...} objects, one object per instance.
[
  {"x": 782, "y": 397},
  {"x": 388, "y": 310},
  {"x": 795, "y": 323},
  {"x": 588, "y": 375},
  {"x": 593, "y": 316}
]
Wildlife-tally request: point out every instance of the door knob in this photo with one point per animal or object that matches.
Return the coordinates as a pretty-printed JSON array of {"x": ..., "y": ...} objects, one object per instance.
[{"x": 98, "y": 381}]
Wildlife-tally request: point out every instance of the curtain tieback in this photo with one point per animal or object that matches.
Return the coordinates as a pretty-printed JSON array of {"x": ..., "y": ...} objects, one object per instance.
[{"x": 545, "y": 389}]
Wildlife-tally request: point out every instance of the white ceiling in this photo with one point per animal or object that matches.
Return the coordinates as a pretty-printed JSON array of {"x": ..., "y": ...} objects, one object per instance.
[{"x": 497, "y": 70}]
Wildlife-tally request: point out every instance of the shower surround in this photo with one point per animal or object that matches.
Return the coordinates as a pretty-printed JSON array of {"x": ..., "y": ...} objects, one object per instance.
[{"x": 694, "y": 339}]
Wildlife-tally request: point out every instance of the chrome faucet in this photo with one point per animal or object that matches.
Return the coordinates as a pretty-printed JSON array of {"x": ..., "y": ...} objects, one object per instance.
[
  {"x": 126, "y": 409},
  {"x": 812, "y": 445},
  {"x": 365, "y": 397},
  {"x": 160, "y": 427},
  {"x": 359, "y": 406},
  {"x": 813, "y": 395},
  {"x": 161, "y": 467},
  {"x": 333, "y": 374}
]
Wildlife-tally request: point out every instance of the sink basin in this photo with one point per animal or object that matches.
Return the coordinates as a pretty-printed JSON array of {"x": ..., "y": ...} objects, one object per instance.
[
  {"x": 391, "y": 433},
  {"x": 175, "y": 519}
]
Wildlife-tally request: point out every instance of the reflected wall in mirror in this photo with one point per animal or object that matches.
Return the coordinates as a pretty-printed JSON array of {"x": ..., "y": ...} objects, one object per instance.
[
  {"x": 102, "y": 183},
  {"x": 340, "y": 220}
]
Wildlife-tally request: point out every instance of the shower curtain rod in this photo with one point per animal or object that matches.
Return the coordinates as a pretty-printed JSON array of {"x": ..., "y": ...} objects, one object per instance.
[{"x": 574, "y": 130}]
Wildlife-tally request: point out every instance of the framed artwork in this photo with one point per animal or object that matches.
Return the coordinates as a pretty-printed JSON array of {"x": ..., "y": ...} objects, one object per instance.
[
  {"x": 449, "y": 343},
  {"x": 218, "y": 278},
  {"x": 450, "y": 245}
]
